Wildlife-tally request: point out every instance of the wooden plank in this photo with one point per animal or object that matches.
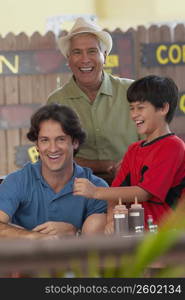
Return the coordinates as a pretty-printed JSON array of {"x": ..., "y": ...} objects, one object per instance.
[
  {"x": 179, "y": 121},
  {"x": 25, "y": 85},
  {"x": 2, "y": 92},
  {"x": 3, "y": 153},
  {"x": 179, "y": 34},
  {"x": 38, "y": 89},
  {"x": 33, "y": 89},
  {"x": 48, "y": 41},
  {"x": 136, "y": 61},
  {"x": 170, "y": 71},
  {"x": 38, "y": 81},
  {"x": 3, "y": 140},
  {"x": 141, "y": 37},
  {"x": 12, "y": 97},
  {"x": 43, "y": 85},
  {"x": 51, "y": 83},
  {"x": 123, "y": 53},
  {"x": 165, "y": 33},
  {"x": 154, "y": 37}
]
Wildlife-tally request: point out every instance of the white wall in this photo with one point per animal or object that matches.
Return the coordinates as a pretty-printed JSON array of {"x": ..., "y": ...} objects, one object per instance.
[{"x": 30, "y": 16}]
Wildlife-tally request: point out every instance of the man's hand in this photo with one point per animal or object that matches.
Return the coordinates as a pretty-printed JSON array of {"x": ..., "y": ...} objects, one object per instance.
[
  {"x": 56, "y": 228},
  {"x": 83, "y": 187},
  {"x": 109, "y": 228}
]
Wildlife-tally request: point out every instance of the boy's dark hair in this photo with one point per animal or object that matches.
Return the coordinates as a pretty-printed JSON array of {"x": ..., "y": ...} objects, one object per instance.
[
  {"x": 62, "y": 114},
  {"x": 157, "y": 90}
]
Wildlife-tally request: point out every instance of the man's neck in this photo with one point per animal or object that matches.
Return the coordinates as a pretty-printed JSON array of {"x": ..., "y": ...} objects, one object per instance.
[
  {"x": 91, "y": 90},
  {"x": 57, "y": 180}
]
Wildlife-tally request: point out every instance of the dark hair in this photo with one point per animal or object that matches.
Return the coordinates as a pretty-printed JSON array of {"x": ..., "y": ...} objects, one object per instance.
[
  {"x": 157, "y": 90},
  {"x": 67, "y": 118}
]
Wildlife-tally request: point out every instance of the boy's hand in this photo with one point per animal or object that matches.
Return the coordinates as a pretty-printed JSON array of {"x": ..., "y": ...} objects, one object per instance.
[{"x": 83, "y": 187}]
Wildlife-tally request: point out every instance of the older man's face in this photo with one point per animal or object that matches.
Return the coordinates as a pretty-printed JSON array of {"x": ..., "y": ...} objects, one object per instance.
[{"x": 86, "y": 60}]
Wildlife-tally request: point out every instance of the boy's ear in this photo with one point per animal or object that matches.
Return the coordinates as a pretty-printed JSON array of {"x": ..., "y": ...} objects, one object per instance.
[{"x": 165, "y": 108}]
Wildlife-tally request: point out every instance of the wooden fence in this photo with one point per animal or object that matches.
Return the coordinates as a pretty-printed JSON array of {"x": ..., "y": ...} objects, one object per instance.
[{"x": 32, "y": 67}]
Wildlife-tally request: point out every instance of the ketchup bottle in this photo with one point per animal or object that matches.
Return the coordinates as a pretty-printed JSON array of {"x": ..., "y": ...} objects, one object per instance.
[
  {"x": 120, "y": 215},
  {"x": 136, "y": 217}
]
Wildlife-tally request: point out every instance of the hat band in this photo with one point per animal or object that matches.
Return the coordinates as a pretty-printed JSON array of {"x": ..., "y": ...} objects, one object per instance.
[{"x": 84, "y": 29}]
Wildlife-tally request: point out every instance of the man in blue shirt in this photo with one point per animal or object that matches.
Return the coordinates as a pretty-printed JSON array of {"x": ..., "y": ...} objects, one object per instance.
[{"x": 39, "y": 197}]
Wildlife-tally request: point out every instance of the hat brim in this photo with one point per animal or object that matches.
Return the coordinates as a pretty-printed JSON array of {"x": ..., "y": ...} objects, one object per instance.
[{"x": 105, "y": 37}]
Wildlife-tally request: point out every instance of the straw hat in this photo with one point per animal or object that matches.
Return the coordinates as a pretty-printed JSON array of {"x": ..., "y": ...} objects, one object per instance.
[{"x": 81, "y": 26}]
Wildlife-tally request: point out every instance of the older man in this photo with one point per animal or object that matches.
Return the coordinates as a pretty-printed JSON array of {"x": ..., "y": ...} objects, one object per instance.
[{"x": 98, "y": 98}]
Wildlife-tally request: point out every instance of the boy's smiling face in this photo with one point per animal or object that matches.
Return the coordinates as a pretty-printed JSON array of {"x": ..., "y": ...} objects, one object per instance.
[{"x": 149, "y": 120}]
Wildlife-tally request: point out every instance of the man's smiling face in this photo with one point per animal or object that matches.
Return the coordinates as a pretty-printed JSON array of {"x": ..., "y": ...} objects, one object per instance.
[{"x": 86, "y": 60}]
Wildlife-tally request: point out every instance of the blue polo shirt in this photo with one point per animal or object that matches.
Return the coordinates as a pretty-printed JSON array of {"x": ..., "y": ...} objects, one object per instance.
[{"x": 29, "y": 201}]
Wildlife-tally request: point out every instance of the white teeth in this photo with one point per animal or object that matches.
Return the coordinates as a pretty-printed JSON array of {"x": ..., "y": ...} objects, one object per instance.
[
  {"x": 139, "y": 122},
  {"x": 53, "y": 156},
  {"x": 86, "y": 69}
]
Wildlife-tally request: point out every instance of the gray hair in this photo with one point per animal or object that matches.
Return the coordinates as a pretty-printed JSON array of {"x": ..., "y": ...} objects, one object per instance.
[{"x": 102, "y": 46}]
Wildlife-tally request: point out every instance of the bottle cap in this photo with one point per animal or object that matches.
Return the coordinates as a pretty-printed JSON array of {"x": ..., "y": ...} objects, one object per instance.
[
  {"x": 136, "y": 204},
  {"x": 120, "y": 207},
  {"x": 150, "y": 218}
]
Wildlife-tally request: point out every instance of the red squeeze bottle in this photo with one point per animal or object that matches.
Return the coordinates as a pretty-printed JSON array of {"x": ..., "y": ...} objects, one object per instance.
[{"x": 120, "y": 215}]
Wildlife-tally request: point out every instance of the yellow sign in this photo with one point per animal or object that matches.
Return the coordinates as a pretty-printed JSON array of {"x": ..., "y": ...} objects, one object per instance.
[
  {"x": 182, "y": 103},
  {"x": 4, "y": 62},
  {"x": 33, "y": 154},
  {"x": 163, "y": 54},
  {"x": 112, "y": 61},
  {"x": 173, "y": 53}
]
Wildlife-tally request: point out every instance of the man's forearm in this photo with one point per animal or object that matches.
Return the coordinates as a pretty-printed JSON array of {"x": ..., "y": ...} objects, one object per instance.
[
  {"x": 94, "y": 224},
  {"x": 56, "y": 228},
  {"x": 10, "y": 231}
]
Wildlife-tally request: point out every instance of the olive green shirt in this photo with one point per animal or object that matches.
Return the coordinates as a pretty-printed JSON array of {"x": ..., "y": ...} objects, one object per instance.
[{"x": 106, "y": 121}]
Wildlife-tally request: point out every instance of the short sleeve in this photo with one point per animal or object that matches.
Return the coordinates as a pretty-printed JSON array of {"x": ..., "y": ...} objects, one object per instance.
[
  {"x": 163, "y": 170},
  {"x": 96, "y": 206},
  {"x": 123, "y": 175},
  {"x": 10, "y": 194}
]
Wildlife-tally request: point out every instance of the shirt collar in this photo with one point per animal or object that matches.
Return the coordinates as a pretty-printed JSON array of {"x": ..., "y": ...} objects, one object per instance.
[
  {"x": 77, "y": 171},
  {"x": 37, "y": 169},
  {"x": 105, "y": 88}
]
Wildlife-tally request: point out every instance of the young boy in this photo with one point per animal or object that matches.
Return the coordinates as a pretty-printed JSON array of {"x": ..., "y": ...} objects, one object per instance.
[{"x": 152, "y": 169}]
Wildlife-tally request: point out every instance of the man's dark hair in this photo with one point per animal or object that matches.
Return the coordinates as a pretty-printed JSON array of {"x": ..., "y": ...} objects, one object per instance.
[
  {"x": 157, "y": 90},
  {"x": 62, "y": 114}
]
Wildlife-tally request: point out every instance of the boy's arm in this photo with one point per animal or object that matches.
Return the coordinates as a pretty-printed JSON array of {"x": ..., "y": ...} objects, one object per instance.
[{"x": 83, "y": 187}]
